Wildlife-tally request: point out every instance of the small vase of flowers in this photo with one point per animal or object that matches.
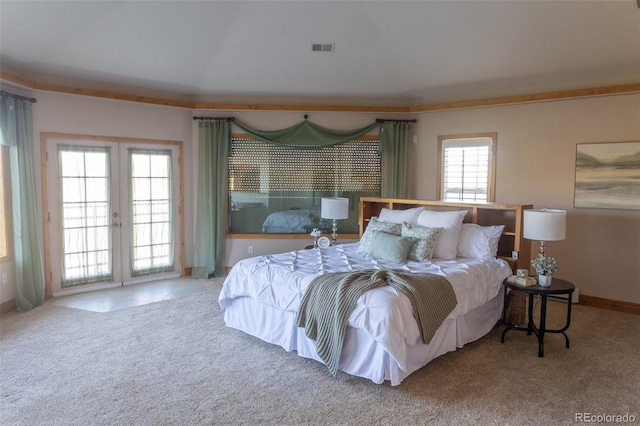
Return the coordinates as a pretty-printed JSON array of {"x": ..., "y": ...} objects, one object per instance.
[
  {"x": 315, "y": 234},
  {"x": 545, "y": 267}
]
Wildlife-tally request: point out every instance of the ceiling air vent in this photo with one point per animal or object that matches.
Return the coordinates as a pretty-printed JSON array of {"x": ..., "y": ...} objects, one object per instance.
[{"x": 326, "y": 47}]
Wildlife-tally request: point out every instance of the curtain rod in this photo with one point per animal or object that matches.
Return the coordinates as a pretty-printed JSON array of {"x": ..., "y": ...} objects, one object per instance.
[
  {"x": 21, "y": 98},
  {"x": 215, "y": 118},
  {"x": 383, "y": 120},
  {"x": 378, "y": 120}
]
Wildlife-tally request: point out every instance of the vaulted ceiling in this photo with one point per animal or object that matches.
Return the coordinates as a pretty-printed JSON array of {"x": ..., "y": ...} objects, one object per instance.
[{"x": 392, "y": 53}]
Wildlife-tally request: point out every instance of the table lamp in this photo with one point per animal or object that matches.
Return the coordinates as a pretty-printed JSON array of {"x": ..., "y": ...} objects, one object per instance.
[
  {"x": 334, "y": 208},
  {"x": 545, "y": 225}
]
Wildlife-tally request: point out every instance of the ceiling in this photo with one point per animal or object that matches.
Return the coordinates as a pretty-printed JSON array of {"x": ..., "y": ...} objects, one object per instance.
[{"x": 387, "y": 53}]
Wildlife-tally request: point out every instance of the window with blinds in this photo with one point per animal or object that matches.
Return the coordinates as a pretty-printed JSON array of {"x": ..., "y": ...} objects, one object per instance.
[
  {"x": 276, "y": 189},
  {"x": 466, "y": 168}
]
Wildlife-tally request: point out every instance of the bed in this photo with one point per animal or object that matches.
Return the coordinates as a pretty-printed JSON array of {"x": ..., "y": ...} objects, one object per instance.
[
  {"x": 261, "y": 295},
  {"x": 291, "y": 221}
]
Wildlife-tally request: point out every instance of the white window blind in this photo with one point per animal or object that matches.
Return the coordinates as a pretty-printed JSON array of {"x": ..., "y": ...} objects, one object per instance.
[{"x": 465, "y": 169}]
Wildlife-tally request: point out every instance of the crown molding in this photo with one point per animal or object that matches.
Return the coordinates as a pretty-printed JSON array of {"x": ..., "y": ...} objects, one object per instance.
[
  {"x": 89, "y": 92},
  {"x": 538, "y": 97},
  {"x": 278, "y": 107}
]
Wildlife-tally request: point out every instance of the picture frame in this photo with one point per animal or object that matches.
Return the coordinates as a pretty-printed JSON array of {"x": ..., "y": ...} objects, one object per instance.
[{"x": 607, "y": 175}]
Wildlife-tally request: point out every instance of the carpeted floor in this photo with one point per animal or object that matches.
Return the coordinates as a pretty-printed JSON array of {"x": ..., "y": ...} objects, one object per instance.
[{"x": 175, "y": 363}]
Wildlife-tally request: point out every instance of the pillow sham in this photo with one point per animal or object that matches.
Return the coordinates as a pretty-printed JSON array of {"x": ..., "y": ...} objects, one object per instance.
[
  {"x": 424, "y": 240},
  {"x": 479, "y": 242},
  {"x": 401, "y": 216},
  {"x": 447, "y": 241},
  {"x": 393, "y": 248},
  {"x": 493, "y": 233},
  {"x": 376, "y": 225}
]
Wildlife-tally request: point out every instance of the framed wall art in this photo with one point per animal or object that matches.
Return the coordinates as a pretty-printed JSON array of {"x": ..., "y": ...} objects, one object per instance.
[{"x": 608, "y": 175}]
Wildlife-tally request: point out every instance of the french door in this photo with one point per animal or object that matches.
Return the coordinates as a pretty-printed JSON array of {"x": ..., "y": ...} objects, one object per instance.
[{"x": 113, "y": 215}]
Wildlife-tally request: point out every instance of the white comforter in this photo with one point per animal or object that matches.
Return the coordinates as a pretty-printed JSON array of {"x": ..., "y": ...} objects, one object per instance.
[{"x": 280, "y": 281}]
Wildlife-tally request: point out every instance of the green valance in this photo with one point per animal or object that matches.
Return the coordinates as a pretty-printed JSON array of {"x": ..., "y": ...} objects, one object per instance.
[{"x": 306, "y": 135}]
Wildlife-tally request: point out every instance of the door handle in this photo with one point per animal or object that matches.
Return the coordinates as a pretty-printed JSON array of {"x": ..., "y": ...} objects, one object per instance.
[{"x": 115, "y": 224}]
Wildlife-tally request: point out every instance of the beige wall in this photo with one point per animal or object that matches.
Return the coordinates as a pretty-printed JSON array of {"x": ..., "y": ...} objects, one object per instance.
[
  {"x": 536, "y": 162},
  {"x": 536, "y": 165}
]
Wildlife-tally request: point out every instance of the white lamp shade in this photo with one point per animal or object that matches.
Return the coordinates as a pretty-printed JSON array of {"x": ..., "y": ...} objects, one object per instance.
[
  {"x": 334, "y": 208},
  {"x": 545, "y": 224}
]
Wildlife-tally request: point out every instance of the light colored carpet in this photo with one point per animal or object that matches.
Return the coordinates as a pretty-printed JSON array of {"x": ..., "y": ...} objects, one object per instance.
[{"x": 176, "y": 363}]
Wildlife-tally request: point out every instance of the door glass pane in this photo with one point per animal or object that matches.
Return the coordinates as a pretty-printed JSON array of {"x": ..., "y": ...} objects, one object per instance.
[
  {"x": 85, "y": 210},
  {"x": 152, "y": 222}
]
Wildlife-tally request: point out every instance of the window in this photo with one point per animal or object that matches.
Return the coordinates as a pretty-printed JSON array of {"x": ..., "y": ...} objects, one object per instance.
[
  {"x": 466, "y": 169},
  {"x": 276, "y": 189},
  {"x": 5, "y": 206}
]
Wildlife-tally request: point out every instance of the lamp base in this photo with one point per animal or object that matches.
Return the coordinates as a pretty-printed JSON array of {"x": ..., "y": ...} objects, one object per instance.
[
  {"x": 334, "y": 232},
  {"x": 541, "y": 252}
]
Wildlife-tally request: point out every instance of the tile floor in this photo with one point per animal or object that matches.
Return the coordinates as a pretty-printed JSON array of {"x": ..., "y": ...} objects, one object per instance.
[{"x": 135, "y": 294}]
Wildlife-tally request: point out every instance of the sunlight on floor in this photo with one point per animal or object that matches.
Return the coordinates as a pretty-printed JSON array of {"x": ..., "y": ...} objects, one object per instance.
[{"x": 134, "y": 295}]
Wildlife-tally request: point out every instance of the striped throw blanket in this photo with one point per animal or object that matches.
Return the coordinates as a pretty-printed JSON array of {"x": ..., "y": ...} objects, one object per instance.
[{"x": 330, "y": 298}]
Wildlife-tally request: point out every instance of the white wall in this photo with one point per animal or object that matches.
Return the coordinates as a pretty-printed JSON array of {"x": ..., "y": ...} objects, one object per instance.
[{"x": 535, "y": 164}]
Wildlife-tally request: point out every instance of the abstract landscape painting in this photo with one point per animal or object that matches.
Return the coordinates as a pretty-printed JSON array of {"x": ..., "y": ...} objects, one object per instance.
[{"x": 608, "y": 175}]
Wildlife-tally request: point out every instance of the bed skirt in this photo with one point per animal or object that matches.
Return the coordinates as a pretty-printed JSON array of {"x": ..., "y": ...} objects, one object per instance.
[{"x": 370, "y": 360}]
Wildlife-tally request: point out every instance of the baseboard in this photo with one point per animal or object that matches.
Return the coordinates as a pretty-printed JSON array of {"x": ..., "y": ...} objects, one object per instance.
[
  {"x": 614, "y": 305},
  {"x": 575, "y": 297},
  {"x": 8, "y": 306}
]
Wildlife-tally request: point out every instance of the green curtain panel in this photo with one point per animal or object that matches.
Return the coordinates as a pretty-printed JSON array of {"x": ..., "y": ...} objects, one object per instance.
[
  {"x": 394, "y": 148},
  {"x": 305, "y": 135},
  {"x": 211, "y": 205},
  {"x": 16, "y": 126}
]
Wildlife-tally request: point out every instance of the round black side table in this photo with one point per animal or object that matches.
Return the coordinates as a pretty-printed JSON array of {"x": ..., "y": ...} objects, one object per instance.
[{"x": 558, "y": 286}]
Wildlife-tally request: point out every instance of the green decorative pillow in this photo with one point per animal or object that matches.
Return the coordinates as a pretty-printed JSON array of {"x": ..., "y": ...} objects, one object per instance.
[
  {"x": 393, "y": 248},
  {"x": 424, "y": 240},
  {"x": 376, "y": 225}
]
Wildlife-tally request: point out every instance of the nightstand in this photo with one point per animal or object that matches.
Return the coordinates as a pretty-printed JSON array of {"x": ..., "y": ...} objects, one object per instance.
[{"x": 558, "y": 286}]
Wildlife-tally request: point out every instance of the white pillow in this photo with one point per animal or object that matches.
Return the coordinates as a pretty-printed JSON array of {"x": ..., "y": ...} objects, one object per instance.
[
  {"x": 479, "y": 242},
  {"x": 409, "y": 216},
  {"x": 451, "y": 221}
]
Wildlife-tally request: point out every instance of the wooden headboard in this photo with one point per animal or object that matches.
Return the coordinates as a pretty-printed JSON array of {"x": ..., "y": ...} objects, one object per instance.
[{"x": 509, "y": 215}]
